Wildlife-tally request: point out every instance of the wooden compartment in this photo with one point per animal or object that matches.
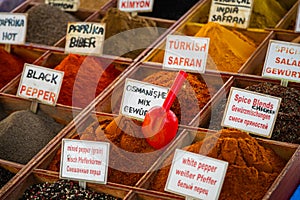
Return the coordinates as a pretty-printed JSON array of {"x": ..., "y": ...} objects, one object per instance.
[
  {"x": 280, "y": 188},
  {"x": 11, "y": 167},
  {"x": 110, "y": 101},
  {"x": 53, "y": 58},
  {"x": 288, "y": 22},
  {"x": 85, "y": 126},
  {"x": 255, "y": 63},
  {"x": 41, "y": 176}
]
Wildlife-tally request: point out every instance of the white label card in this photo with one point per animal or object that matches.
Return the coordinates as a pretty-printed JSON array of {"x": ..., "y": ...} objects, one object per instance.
[
  {"x": 231, "y": 13},
  {"x": 13, "y": 27},
  {"x": 251, "y": 112},
  {"x": 139, "y": 97},
  {"x": 85, "y": 38},
  {"x": 196, "y": 176},
  {"x": 84, "y": 160},
  {"x": 186, "y": 53},
  {"x": 282, "y": 61},
  {"x": 65, "y": 5},
  {"x": 135, "y": 5},
  {"x": 40, "y": 83}
]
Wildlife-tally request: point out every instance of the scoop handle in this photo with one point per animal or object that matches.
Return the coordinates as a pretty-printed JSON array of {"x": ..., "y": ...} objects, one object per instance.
[{"x": 180, "y": 78}]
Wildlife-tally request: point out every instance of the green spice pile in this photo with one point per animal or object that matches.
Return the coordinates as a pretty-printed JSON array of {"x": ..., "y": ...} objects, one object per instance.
[
  {"x": 23, "y": 134},
  {"x": 47, "y": 24},
  {"x": 5, "y": 176},
  {"x": 62, "y": 189}
]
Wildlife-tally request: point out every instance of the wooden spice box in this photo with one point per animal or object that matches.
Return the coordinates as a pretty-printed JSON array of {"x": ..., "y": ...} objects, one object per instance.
[
  {"x": 11, "y": 167},
  {"x": 110, "y": 101},
  {"x": 41, "y": 176},
  {"x": 287, "y": 23},
  {"x": 254, "y": 65},
  {"x": 53, "y": 58},
  {"x": 282, "y": 187}
]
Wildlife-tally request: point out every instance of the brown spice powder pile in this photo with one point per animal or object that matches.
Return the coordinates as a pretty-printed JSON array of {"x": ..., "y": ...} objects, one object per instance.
[
  {"x": 192, "y": 97},
  {"x": 251, "y": 171}
]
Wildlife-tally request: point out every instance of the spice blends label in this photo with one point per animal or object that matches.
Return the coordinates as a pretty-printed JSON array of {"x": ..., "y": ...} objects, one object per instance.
[
  {"x": 297, "y": 25},
  {"x": 13, "y": 28},
  {"x": 85, "y": 38},
  {"x": 135, "y": 5},
  {"x": 40, "y": 83},
  {"x": 195, "y": 175},
  {"x": 139, "y": 97},
  {"x": 186, "y": 53},
  {"x": 282, "y": 61},
  {"x": 84, "y": 160},
  {"x": 251, "y": 112},
  {"x": 234, "y": 13},
  {"x": 66, "y": 5}
]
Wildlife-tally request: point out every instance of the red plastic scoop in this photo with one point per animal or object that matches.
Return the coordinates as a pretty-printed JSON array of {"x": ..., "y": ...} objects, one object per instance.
[{"x": 160, "y": 124}]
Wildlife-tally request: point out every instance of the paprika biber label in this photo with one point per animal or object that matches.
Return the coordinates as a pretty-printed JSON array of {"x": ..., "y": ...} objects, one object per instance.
[
  {"x": 195, "y": 175},
  {"x": 282, "y": 61},
  {"x": 251, "y": 112},
  {"x": 40, "y": 83}
]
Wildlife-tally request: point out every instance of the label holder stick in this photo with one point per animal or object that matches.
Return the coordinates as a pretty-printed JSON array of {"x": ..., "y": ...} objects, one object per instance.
[
  {"x": 34, "y": 106},
  {"x": 7, "y": 48},
  {"x": 82, "y": 184},
  {"x": 284, "y": 82}
]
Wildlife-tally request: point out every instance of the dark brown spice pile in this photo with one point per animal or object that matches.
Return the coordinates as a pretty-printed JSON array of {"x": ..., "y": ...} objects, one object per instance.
[
  {"x": 62, "y": 189},
  {"x": 5, "y": 176}
]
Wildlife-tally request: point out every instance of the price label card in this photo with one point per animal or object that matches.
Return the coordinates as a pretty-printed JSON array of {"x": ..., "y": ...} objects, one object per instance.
[
  {"x": 231, "y": 13},
  {"x": 282, "y": 61},
  {"x": 135, "y": 5},
  {"x": 186, "y": 53},
  {"x": 139, "y": 97},
  {"x": 251, "y": 112},
  {"x": 84, "y": 160},
  {"x": 66, "y": 5},
  {"x": 13, "y": 27},
  {"x": 40, "y": 83},
  {"x": 196, "y": 176},
  {"x": 85, "y": 38}
]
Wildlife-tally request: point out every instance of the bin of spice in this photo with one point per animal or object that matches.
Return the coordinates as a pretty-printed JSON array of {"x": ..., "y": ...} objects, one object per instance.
[
  {"x": 43, "y": 185},
  {"x": 255, "y": 63},
  {"x": 196, "y": 92},
  {"x": 228, "y": 50},
  {"x": 23, "y": 134},
  {"x": 246, "y": 177},
  {"x": 287, "y": 125},
  {"x": 130, "y": 155},
  {"x": 85, "y": 77}
]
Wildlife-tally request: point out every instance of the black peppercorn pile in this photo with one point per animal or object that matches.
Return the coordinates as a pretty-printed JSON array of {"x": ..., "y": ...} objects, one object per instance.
[
  {"x": 62, "y": 189},
  {"x": 287, "y": 126},
  {"x": 5, "y": 176}
]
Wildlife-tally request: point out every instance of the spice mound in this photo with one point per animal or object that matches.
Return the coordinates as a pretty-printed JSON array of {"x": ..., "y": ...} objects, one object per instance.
[
  {"x": 84, "y": 78},
  {"x": 228, "y": 49},
  {"x": 191, "y": 98},
  {"x": 251, "y": 170},
  {"x": 266, "y": 14},
  {"x": 5, "y": 176},
  {"x": 47, "y": 24},
  {"x": 62, "y": 189},
  {"x": 10, "y": 67},
  {"x": 23, "y": 134},
  {"x": 287, "y": 125},
  {"x": 92, "y": 5},
  {"x": 131, "y": 34},
  {"x": 130, "y": 154}
]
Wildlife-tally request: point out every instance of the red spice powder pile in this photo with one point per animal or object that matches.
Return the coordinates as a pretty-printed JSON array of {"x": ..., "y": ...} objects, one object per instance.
[{"x": 85, "y": 77}]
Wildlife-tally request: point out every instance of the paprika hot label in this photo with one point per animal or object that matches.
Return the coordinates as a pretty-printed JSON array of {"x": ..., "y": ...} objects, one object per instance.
[
  {"x": 13, "y": 28},
  {"x": 40, "y": 83}
]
